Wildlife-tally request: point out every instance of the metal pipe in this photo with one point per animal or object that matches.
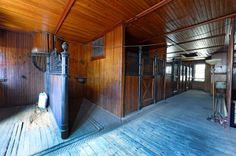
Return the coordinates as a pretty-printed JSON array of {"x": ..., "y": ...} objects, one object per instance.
[
  {"x": 172, "y": 76},
  {"x": 139, "y": 77},
  {"x": 155, "y": 78},
  {"x": 163, "y": 78}
]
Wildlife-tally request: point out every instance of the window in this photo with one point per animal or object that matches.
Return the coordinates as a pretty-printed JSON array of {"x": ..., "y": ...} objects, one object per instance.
[
  {"x": 168, "y": 69},
  {"x": 98, "y": 48},
  {"x": 199, "y": 72}
]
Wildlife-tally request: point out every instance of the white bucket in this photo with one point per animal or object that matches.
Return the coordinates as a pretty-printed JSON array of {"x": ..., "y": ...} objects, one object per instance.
[{"x": 42, "y": 103}]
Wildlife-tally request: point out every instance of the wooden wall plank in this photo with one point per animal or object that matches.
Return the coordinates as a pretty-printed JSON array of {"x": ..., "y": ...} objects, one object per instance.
[
  {"x": 131, "y": 94},
  {"x": 104, "y": 76},
  {"x": 24, "y": 81}
]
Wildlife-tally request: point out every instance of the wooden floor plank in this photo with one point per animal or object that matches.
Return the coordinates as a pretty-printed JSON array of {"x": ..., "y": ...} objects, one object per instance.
[
  {"x": 6, "y": 131},
  {"x": 174, "y": 127},
  {"x": 177, "y": 127}
]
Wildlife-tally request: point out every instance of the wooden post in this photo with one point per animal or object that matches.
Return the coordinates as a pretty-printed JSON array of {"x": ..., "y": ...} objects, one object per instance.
[
  {"x": 64, "y": 98},
  {"x": 230, "y": 68}
]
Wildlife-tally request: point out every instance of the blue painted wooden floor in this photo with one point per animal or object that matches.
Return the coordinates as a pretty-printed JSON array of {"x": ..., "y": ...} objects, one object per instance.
[{"x": 177, "y": 126}]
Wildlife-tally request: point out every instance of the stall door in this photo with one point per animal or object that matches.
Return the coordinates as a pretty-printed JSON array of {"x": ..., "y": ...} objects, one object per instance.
[
  {"x": 188, "y": 78},
  {"x": 168, "y": 80},
  {"x": 159, "y": 84},
  {"x": 175, "y": 78},
  {"x": 147, "y": 81}
]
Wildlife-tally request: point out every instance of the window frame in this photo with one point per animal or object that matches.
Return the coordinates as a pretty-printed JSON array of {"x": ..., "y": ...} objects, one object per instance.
[{"x": 103, "y": 55}]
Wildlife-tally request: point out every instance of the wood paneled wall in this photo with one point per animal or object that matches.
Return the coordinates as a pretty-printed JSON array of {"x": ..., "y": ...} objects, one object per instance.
[
  {"x": 77, "y": 69},
  {"x": 105, "y": 77},
  {"x": 23, "y": 80}
]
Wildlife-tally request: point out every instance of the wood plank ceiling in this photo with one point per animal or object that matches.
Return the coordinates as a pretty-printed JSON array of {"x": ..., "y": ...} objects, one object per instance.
[
  {"x": 30, "y": 15},
  {"x": 89, "y": 19}
]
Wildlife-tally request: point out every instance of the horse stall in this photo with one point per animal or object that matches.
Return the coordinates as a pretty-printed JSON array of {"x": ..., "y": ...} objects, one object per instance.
[{"x": 144, "y": 78}]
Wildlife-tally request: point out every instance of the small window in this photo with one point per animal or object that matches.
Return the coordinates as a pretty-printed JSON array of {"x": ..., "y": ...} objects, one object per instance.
[
  {"x": 199, "y": 72},
  {"x": 98, "y": 48},
  {"x": 168, "y": 69}
]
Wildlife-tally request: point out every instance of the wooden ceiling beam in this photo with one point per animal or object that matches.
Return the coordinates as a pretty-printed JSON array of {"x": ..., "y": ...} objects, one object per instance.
[
  {"x": 148, "y": 11},
  {"x": 178, "y": 46},
  {"x": 66, "y": 11},
  {"x": 202, "y": 23}
]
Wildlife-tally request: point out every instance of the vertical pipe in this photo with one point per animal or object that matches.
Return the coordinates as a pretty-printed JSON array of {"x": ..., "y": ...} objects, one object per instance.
[
  {"x": 178, "y": 74},
  {"x": 213, "y": 91},
  {"x": 155, "y": 78},
  {"x": 64, "y": 108},
  {"x": 47, "y": 73},
  {"x": 164, "y": 79},
  {"x": 172, "y": 77},
  {"x": 139, "y": 77}
]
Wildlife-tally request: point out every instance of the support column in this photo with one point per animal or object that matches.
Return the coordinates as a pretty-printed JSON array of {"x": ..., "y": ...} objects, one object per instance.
[{"x": 64, "y": 113}]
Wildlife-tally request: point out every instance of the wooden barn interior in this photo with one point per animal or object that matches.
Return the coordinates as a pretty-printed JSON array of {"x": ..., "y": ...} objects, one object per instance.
[{"x": 117, "y": 77}]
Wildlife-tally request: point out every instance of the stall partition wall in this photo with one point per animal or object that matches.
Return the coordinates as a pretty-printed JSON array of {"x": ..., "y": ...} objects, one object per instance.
[
  {"x": 73, "y": 91},
  {"x": 144, "y": 74},
  {"x": 77, "y": 70},
  {"x": 57, "y": 81},
  {"x": 20, "y": 81}
]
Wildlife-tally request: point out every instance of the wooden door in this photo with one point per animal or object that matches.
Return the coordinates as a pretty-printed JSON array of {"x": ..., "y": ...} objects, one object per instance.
[
  {"x": 147, "y": 90},
  {"x": 191, "y": 76},
  {"x": 147, "y": 81},
  {"x": 175, "y": 78},
  {"x": 159, "y": 84},
  {"x": 188, "y": 78}
]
